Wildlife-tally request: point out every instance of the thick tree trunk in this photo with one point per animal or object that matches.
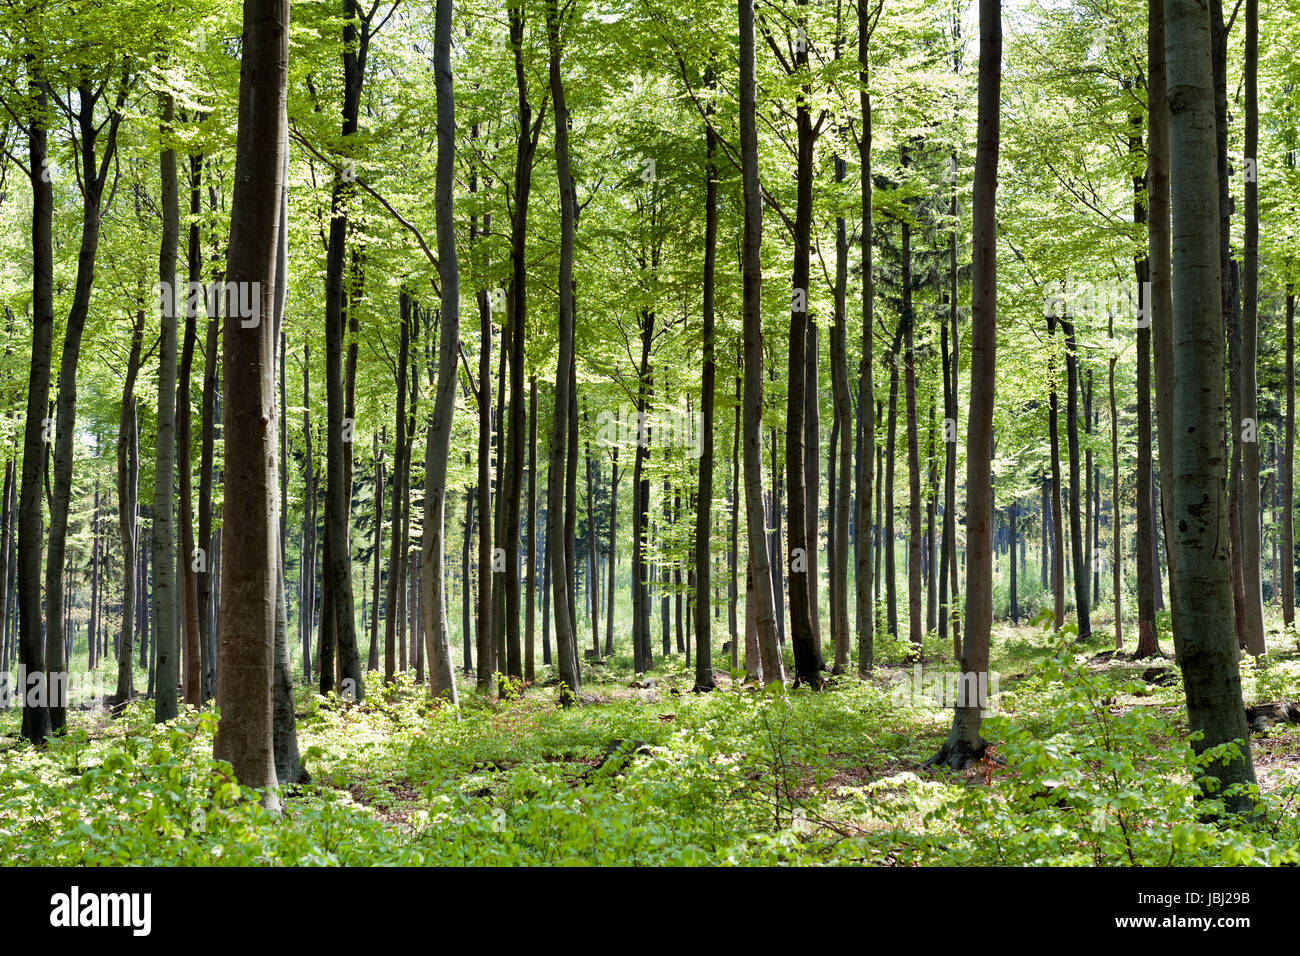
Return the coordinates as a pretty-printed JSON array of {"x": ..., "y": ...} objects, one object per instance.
[
  {"x": 1207, "y": 650},
  {"x": 245, "y": 670}
]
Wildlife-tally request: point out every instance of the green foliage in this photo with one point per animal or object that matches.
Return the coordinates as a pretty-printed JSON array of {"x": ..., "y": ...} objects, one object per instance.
[{"x": 1086, "y": 780}]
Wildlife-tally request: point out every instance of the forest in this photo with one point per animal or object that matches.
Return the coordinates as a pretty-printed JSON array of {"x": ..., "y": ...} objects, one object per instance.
[{"x": 612, "y": 432}]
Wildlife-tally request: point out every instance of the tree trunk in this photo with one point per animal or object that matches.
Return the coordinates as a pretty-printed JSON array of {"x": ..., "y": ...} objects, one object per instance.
[
  {"x": 1148, "y": 643},
  {"x": 188, "y": 561},
  {"x": 164, "y": 540},
  {"x": 704, "y": 496},
  {"x": 1247, "y": 423},
  {"x": 442, "y": 678},
  {"x": 1082, "y": 565},
  {"x": 841, "y": 492},
  {"x": 565, "y": 637},
  {"x": 1207, "y": 651},
  {"x": 964, "y": 743},
  {"x": 372, "y": 658},
  {"x": 401, "y": 474},
  {"x": 128, "y": 476},
  {"x": 915, "y": 630},
  {"x": 530, "y": 668},
  {"x": 1116, "y": 519},
  {"x": 245, "y": 670},
  {"x": 1162, "y": 334},
  {"x": 1058, "y": 552},
  {"x": 764, "y": 617},
  {"x": 1288, "y": 469},
  {"x": 866, "y": 529}
]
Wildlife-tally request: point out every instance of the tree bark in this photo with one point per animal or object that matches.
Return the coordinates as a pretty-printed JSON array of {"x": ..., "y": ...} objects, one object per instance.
[
  {"x": 1203, "y": 592},
  {"x": 704, "y": 496},
  {"x": 565, "y": 637},
  {"x": 764, "y": 617},
  {"x": 245, "y": 669},
  {"x": 442, "y": 677},
  {"x": 166, "y": 606},
  {"x": 128, "y": 476},
  {"x": 1248, "y": 422},
  {"x": 964, "y": 743}
]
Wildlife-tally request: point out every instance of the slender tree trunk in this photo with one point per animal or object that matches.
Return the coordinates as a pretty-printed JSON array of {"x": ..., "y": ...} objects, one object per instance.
[
  {"x": 1058, "y": 552},
  {"x": 1116, "y": 520},
  {"x": 1288, "y": 469},
  {"x": 1162, "y": 334},
  {"x": 127, "y": 490},
  {"x": 964, "y": 742},
  {"x": 733, "y": 554},
  {"x": 866, "y": 529},
  {"x": 704, "y": 496},
  {"x": 187, "y": 560},
  {"x": 530, "y": 669},
  {"x": 1247, "y": 423},
  {"x": 613, "y": 550},
  {"x": 442, "y": 678},
  {"x": 1148, "y": 644},
  {"x": 839, "y": 552},
  {"x": 888, "y": 542},
  {"x": 1077, "y": 510},
  {"x": 764, "y": 617},
  {"x": 797, "y": 562},
  {"x": 372, "y": 658},
  {"x": 164, "y": 539},
  {"x": 401, "y": 473},
  {"x": 915, "y": 630},
  {"x": 565, "y": 637},
  {"x": 288, "y": 766}
]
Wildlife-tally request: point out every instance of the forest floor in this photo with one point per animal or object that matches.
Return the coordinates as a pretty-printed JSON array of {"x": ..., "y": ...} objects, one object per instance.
[{"x": 1089, "y": 765}]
